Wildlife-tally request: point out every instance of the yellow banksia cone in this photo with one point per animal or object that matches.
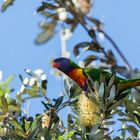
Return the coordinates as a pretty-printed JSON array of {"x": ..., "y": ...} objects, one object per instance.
[
  {"x": 45, "y": 121},
  {"x": 89, "y": 111}
]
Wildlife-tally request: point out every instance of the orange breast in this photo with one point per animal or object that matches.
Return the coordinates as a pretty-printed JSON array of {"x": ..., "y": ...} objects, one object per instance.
[{"x": 78, "y": 76}]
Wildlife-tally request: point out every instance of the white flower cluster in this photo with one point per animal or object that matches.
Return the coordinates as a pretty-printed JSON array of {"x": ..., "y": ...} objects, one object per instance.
[
  {"x": 62, "y": 14},
  {"x": 38, "y": 75}
]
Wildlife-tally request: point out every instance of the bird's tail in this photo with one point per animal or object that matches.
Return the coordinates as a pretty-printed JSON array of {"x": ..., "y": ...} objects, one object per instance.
[{"x": 128, "y": 84}]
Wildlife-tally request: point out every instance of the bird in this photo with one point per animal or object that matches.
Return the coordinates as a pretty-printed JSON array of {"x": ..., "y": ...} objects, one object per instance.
[{"x": 83, "y": 76}]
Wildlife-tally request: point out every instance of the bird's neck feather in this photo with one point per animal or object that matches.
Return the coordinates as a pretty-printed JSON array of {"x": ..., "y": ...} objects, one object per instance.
[{"x": 77, "y": 75}]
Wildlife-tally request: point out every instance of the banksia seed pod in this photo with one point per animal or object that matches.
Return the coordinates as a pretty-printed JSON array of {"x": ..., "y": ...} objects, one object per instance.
[{"x": 89, "y": 111}]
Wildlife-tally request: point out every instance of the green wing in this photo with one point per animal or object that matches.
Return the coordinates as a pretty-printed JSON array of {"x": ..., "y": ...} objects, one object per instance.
[
  {"x": 95, "y": 74},
  {"x": 123, "y": 84}
]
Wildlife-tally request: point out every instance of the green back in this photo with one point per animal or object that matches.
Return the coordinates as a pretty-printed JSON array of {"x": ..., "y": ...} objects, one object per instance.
[{"x": 95, "y": 74}]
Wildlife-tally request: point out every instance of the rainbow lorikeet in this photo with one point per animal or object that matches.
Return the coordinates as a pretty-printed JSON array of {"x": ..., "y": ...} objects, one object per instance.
[{"x": 81, "y": 75}]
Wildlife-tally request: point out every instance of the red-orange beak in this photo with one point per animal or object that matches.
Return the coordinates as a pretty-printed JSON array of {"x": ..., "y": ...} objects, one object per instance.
[{"x": 55, "y": 65}]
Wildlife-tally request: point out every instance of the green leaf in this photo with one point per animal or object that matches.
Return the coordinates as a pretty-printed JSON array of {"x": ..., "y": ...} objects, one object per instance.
[
  {"x": 14, "y": 108},
  {"x": 133, "y": 130},
  {"x": 6, "y": 4},
  {"x": 84, "y": 45},
  {"x": 112, "y": 94},
  {"x": 117, "y": 138},
  {"x": 96, "y": 134},
  {"x": 101, "y": 91},
  {"x": 10, "y": 79},
  {"x": 90, "y": 59},
  {"x": 18, "y": 129},
  {"x": 46, "y": 5},
  {"x": 47, "y": 33},
  {"x": 4, "y": 104},
  {"x": 70, "y": 134},
  {"x": 34, "y": 127},
  {"x": 58, "y": 101},
  {"x": 47, "y": 105},
  {"x": 115, "y": 105},
  {"x": 27, "y": 125},
  {"x": 60, "y": 138},
  {"x": 2, "y": 117},
  {"x": 67, "y": 136},
  {"x": 112, "y": 80},
  {"x": 125, "y": 120},
  {"x": 109, "y": 122},
  {"x": 44, "y": 87},
  {"x": 4, "y": 86},
  {"x": 20, "y": 133},
  {"x": 32, "y": 93}
]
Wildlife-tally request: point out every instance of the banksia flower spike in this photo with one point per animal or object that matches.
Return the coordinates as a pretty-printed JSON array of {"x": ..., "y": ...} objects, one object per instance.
[{"x": 89, "y": 111}]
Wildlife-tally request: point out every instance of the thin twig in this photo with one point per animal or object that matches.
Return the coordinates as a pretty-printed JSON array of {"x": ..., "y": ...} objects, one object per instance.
[{"x": 84, "y": 24}]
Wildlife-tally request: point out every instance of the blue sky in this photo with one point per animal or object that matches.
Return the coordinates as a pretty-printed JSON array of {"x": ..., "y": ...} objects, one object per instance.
[{"x": 19, "y": 27}]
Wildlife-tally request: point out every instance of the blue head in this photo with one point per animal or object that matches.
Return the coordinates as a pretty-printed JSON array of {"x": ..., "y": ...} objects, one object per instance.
[{"x": 64, "y": 64}]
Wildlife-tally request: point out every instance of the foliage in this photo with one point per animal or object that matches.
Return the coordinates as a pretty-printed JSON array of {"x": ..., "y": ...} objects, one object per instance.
[{"x": 93, "y": 115}]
